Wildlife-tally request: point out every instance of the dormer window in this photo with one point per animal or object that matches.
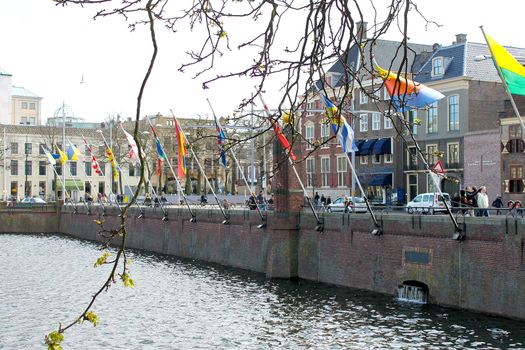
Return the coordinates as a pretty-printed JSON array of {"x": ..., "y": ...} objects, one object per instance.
[{"x": 437, "y": 66}]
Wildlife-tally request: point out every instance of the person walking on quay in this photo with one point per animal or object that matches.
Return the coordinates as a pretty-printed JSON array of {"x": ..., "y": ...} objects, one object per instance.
[
  {"x": 497, "y": 203},
  {"x": 328, "y": 201},
  {"x": 483, "y": 201},
  {"x": 316, "y": 199},
  {"x": 323, "y": 200},
  {"x": 471, "y": 193},
  {"x": 463, "y": 201}
]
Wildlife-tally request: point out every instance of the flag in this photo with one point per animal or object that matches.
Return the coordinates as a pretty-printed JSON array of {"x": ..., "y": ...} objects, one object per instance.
[
  {"x": 278, "y": 131},
  {"x": 221, "y": 142},
  {"x": 50, "y": 157},
  {"x": 181, "y": 140},
  {"x": 133, "y": 149},
  {"x": 407, "y": 94},
  {"x": 160, "y": 151},
  {"x": 94, "y": 162},
  {"x": 112, "y": 161},
  {"x": 511, "y": 70},
  {"x": 62, "y": 156},
  {"x": 340, "y": 127},
  {"x": 73, "y": 153}
]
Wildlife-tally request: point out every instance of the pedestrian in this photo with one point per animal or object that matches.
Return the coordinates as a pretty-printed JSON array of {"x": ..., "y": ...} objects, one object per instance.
[
  {"x": 260, "y": 198},
  {"x": 252, "y": 202},
  {"x": 482, "y": 200},
  {"x": 497, "y": 203},
  {"x": 323, "y": 200},
  {"x": 471, "y": 193},
  {"x": 328, "y": 201},
  {"x": 463, "y": 201},
  {"x": 519, "y": 210},
  {"x": 316, "y": 199}
]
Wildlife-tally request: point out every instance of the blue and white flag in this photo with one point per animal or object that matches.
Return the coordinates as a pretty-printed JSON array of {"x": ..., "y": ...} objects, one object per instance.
[{"x": 340, "y": 127}]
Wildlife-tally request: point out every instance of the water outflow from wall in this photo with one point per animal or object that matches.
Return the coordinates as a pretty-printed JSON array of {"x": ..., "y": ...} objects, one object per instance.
[{"x": 412, "y": 294}]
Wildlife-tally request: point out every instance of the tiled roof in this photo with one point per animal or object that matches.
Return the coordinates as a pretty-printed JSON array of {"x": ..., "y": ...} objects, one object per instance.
[
  {"x": 3, "y": 72},
  {"x": 459, "y": 61},
  {"x": 22, "y": 92}
]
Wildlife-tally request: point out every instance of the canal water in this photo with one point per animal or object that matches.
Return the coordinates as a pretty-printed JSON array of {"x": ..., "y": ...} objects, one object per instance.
[{"x": 185, "y": 304}]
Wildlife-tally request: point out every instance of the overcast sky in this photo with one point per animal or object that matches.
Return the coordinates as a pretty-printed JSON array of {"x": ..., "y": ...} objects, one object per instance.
[{"x": 49, "y": 49}]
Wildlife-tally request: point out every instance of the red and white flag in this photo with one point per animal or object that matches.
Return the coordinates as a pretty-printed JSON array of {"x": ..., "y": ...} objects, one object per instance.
[
  {"x": 94, "y": 162},
  {"x": 133, "y": 149}
]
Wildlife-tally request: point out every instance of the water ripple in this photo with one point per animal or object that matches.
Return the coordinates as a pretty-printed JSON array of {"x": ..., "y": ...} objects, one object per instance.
[{"x": 185, "y": 304}]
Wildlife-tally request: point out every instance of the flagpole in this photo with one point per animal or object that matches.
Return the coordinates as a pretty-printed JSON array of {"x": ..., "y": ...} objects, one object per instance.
[
  {"x": 505, "y": 86},
  {"x": 165, "y": 218},
  {"x": 237, "y": 162},
  {"x": 103, "y": 175},
  {"x": 76, "y": 185},
  {"x": 118, "y": 167},
  {"x": 226, "y": 218},
  {"x": 63, "y": 184},
  {"x": 193, "y": 215},
  {"x": 287, "y": 152}
]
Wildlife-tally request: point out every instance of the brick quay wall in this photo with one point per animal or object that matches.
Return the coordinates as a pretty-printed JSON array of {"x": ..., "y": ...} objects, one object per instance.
[{"x": 484, "y": 273}]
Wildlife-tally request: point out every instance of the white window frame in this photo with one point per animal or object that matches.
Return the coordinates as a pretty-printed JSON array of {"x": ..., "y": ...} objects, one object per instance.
[
  {"x": 363, "y": 97},
  {"x": 376, "y": 121},
  {"x": 431, "y": 108},
  {"x": 363, "y": 122},
  {"x": 363, "y": 160},
  {"x": 309, "y": 137},
  {"x": 386, "y": 95},
  {"x": 431, "y": 159},
  {"x": 310, "y": 171},
  {"x": 341, "y": 171},
  {"x": 325, "y": 134},
  {"x": 456, "y": 128},
  {"x": 388, "y": 158},
  {"x": 376, "y": 159},
  {"x": 434, "y": 66},
  {"x": 387, "y": 123},
  {"x": 448, "y": 152},
  {"x": 325, "y": 171}
]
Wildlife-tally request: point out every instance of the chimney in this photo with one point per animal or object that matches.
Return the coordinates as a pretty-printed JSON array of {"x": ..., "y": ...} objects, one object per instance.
[
  {"x": 361, "y": 30},
  {"x": 461, "y": 38},
  {"x": 435, "y": 47}
]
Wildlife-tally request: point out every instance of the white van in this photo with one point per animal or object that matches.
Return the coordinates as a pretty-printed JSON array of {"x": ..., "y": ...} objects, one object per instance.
[{"x": 428, "y": 203}]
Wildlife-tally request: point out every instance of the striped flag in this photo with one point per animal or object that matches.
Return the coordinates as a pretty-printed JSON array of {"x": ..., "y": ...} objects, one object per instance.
[
  {"x": 340, "y": 127},
  {"x": 133, "y": 149},
  {"x": 160, "y": 151},
  {"x": 221, "y": 142},
  {"x": 112, "y": 161},
  {"x": 181, "y": 140},
  {"x": 94, "y": 162},
  {"x": 278, "y": 131}
]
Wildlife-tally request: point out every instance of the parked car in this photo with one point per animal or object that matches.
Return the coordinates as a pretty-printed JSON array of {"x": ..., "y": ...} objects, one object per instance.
[
  {"x": 428, "y": 203},
  {"x": 358, "y": 205},
  {"x": 35, "y": 200}
]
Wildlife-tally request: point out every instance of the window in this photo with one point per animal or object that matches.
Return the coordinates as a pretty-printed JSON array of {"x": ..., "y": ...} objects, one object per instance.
[
  {"x": 377, "y": 93},
  {"x": 42, "y": 189},
  {"x": 32, "y": 105},
  {"x": 363, "y": 122},
  {"x": 28, "y": 167},
  {"x": 376, "y": 158},
  {"x": 310, "y": 167},
  {"x": 309, "y": 130},
  {"x": 387, "y": 158},
  {"x": 24, "y": 105},
  {"x": 412, "y": 116},
  {"x": 131, "y": 170},
  {"x": 515, "y": 132},
  {"x": 32, "y": 121},
  {"x": 87, "y": 168},
  {"x": 432, "y": 154},
  {"x": 453, "y": 155},
  {"x": 42, "y": 167},
  {"x": 376, "y": 121},
  {"x": 386, "y": 94},
  {"x": 14, "y": 148},
  {"x": 325, "y": 133},
  {"x": 58, "y": 168},
  {"x": 387, "y": 123},
  {"x": 516, "y": 179},
  {"x": 41, "y": 149},
  {"x": 515, "y": 143},
  {"x": 14, "y": 188},
  {"x": 14, "y": 167},
  {"x": 102, "y": 168},
  {"x": 363, "y": 160},
  {"x": 437, "y": 66},
  {"x": 28, "y": 148},
  {"x": 412, "y": 158},
  {"x": 73, "y": 168},
  {"x": 453, "y": 112},
  {"x": 325, "y": 171},
  {"x": 23, "y": 120},
  {"x": 341, "y": 171},
  {"x": 432, "y": 118},
  {"x": 363, "y": 97}
]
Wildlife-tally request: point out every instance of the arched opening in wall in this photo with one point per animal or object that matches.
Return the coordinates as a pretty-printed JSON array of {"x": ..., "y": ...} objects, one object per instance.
[{"x": 413, "y": 291}]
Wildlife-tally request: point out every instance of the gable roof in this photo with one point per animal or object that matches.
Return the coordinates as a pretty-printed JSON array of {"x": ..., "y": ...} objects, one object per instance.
[
  {"x": 21, "y": 91},
  {"x": 3, "y": 72}
]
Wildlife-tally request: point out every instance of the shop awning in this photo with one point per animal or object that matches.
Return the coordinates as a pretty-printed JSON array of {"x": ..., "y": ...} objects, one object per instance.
[
  {"x": 382, "y": 146},
  {"x": 71, "y": 185},
  {"x": 367, "y": 147},
  {"x": 380, "y": 180}
]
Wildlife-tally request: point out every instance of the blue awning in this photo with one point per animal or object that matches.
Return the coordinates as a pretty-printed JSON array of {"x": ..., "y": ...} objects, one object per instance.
[
  {"x": 367, "y": 147},
  {"x": 359, "y": 144},
  {"x": 382, "y": 146},
  {"x": 380, "y": 180}
]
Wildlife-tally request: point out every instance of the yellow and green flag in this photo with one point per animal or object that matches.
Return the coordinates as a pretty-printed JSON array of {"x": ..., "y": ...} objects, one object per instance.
[{"x": 511, "y": 70}]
